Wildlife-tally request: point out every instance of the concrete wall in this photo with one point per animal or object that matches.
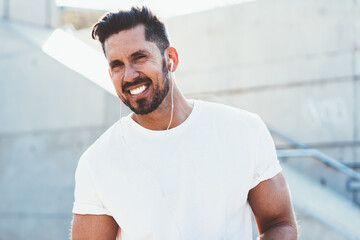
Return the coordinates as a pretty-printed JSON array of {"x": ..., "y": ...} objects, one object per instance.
[
  {"x": 36, "y": 92},
  {"x": 294, "y": 62},
  {"x": 267, "y": 48},
  {"x": 2, "y": 9},
  {"x": 49, "y": 116},
  {"x": 39, "y": 12}
]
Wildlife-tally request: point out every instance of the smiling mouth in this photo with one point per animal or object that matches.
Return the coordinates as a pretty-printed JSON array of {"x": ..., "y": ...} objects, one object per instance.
[{"x": 138, "y": 90}]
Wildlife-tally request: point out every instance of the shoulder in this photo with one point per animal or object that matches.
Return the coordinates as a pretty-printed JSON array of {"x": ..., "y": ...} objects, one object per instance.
[
  {"x": 228, "y": 115},
  {"x": 104, "y": 143}
]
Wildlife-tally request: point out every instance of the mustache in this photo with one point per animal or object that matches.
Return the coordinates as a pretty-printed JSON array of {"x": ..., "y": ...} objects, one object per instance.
[{"x": 136, "y": 81}]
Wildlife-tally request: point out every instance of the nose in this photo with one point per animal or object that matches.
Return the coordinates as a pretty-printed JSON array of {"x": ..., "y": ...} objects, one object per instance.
[{"x": 130, "y": 73}]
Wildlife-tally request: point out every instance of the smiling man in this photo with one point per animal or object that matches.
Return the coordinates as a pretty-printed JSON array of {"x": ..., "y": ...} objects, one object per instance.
[{"x": 175, "y": 168}]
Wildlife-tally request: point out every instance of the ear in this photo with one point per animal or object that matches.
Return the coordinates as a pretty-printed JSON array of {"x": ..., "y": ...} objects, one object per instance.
[{"x": 173, "y": 55}]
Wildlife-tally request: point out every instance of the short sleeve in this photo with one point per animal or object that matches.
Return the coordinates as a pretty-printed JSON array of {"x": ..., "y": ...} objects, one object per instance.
[
  {"x": 266, "y": 163},
  {"x": 87, "y": 200}
]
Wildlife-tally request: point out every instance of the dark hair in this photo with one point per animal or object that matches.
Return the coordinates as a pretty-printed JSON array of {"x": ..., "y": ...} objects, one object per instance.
[{"x": 114, "y": 22}]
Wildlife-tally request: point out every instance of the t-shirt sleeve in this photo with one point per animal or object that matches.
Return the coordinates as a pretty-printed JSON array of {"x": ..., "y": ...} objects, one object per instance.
[
  {"x": 87, "y": 200},
  {"x": 266, "y": 163}
]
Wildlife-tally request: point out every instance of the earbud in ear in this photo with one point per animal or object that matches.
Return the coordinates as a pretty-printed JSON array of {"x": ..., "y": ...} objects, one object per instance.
[{"x": 171, "y": 64}]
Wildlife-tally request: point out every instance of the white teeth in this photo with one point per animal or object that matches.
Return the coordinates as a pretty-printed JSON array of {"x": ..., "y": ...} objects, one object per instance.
[{"x": 138, "y": 90}]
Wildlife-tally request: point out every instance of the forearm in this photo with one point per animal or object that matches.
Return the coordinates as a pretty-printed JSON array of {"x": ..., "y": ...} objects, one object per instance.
[{"x": 283, "y": 231}]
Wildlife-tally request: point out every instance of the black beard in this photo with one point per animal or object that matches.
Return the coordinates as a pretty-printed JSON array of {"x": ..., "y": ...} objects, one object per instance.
[{"x": 159, "y": 95}]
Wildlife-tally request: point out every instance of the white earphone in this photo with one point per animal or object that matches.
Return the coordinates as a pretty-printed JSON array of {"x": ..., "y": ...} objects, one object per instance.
[{"x": 171, "y": 64}]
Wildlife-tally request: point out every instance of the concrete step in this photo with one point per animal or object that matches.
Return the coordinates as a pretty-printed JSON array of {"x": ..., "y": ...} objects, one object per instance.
[{"x": 321, "y": 209}]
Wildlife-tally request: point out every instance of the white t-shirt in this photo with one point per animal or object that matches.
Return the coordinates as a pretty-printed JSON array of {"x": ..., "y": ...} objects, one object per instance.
[{"x": 187, "y": 183}]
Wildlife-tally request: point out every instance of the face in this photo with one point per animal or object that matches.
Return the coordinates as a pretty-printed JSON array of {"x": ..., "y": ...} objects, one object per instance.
[{"x": 138, "y": 70}]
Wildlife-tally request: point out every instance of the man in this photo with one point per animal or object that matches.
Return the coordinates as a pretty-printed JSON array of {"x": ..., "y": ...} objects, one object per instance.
[{"x": 174, "y": 168}]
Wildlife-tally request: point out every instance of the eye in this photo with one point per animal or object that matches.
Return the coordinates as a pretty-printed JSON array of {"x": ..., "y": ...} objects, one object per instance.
[
  {"x": 116, "y": 66},
  {"x": 140, "y": 57}
]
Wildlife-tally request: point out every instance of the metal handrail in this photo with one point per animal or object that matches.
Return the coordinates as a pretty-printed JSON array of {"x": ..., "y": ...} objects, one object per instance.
[{"x": 305, "y": 151}]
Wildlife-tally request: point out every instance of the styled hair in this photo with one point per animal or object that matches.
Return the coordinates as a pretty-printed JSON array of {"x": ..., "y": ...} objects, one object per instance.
[{"x": 114, "y": 22}]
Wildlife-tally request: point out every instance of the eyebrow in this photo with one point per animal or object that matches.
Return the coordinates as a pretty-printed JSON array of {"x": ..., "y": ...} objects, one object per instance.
[
  {"x": 133, "y": 55},
  {"x": 139, "y": 52}
]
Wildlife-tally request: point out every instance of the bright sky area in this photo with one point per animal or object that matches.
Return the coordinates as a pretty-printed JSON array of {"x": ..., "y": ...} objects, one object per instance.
[{"x": 162, "y": 8}]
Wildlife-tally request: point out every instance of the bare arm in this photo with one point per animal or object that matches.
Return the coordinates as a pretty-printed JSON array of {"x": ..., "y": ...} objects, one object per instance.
[
  {"x": 94, "y": 227},
  {"x": 270, "y": 202}
]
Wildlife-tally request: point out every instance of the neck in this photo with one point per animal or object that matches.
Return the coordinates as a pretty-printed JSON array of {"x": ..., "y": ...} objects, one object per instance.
[{"x": 160, "y": 118}]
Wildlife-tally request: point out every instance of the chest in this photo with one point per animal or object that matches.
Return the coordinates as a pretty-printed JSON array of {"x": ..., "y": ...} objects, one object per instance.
[{"x": 176, "y": 189}]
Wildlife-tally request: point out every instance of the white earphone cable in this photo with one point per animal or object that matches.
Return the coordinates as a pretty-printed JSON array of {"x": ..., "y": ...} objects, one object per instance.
[{"x": 172, "y": 99}]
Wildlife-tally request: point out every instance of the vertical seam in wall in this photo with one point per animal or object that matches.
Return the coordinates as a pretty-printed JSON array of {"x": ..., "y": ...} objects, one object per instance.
[
  {"x": 6, "y": 9},
  {"x": 355, "y": 83},
  {"x": 48, "y": 13}
]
